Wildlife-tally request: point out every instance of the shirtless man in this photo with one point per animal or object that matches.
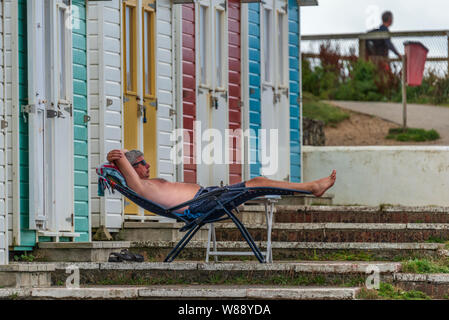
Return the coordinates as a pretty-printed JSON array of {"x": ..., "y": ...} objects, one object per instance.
[{"x": 168, "y": 194}]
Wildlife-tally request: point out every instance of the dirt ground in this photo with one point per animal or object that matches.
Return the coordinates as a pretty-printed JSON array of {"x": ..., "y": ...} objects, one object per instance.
[{"x": 364, "y": 130}]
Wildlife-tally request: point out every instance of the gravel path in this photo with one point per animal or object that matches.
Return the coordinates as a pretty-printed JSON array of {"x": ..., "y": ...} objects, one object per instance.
[{"x": 418, "y": 116}]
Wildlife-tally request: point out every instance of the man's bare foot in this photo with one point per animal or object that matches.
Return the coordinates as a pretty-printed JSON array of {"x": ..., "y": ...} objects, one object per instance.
[{"x": 323, "y": 184}]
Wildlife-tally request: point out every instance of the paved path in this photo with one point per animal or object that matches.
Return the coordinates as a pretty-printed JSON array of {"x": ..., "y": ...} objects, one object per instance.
[{"x": 418, "y": 116}]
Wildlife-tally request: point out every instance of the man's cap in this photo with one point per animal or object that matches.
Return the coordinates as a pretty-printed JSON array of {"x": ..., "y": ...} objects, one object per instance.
[{"x": 132, "y": 156}]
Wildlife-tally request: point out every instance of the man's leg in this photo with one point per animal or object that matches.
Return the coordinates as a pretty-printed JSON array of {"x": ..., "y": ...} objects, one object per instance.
[{"x": 317, "y": 187}]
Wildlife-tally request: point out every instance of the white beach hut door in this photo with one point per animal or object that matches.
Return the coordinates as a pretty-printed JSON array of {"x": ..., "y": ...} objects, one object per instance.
[
  {"x": 61, "y": 119},
  {"x": 50, "y": 115},
  {"x": 274, "y": 140},
  {"x": 36, "y": 112},
  {"x": 212, "y": 153},
  {"x": 281, "y": 92},
  {"x": 268, "y": 107}
]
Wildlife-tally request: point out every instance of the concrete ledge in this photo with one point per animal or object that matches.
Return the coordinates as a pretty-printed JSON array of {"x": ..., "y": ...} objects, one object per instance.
[
  {"x": 85, "y": 245},
  {"x": 343, "y": 226},
  {"x": 96, "y": 251},
  {"x": 185, "y": 292},
  {"x": 26, "y": 275},
  {"x": 436, "y": 278},
  {"x": 307, "y": 266},
  {"x": 298, "y": 245}
]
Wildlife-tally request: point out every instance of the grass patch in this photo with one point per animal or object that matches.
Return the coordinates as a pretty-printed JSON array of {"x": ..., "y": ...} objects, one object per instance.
[
  {"x": 412, "y": 134},
  {"x": 242, "y": 279},
  {"x": 317, "y": 110},
  {"x": 339, "y": 256},
  {"x": 389, "y": 292},
  {"x": 426, "y": 266}
]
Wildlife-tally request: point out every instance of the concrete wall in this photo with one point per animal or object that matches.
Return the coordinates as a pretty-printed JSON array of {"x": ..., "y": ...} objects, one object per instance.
[{"x": 405, "y": 175}]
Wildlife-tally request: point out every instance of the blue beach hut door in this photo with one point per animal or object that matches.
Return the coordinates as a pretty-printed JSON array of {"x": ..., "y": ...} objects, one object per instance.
[{"x": 49, "y": 116}]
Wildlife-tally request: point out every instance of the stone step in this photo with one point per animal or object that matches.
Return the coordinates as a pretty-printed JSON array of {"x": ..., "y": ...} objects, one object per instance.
[
  {"x": 196, "y": 250},
  {"x": 95, "y": 251},
  {"x": 329, "y": 273},
  {"x": 435, "y": 285},
  {"x": 26, "y": 275},
  {"x": 346, "y": 214},
  {"x": 185, "y": 292},
  {"x": 339, "y": 232}
]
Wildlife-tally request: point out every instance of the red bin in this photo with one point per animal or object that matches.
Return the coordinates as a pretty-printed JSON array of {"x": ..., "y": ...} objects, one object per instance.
[{"x": 416, "y": 54}]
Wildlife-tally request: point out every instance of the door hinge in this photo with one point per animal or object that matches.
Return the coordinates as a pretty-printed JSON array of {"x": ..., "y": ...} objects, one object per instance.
[
  {"x": 240, "y": 104},
  {"x": 86, "y": 118},
  {"x": 154, "y": 103},
  {"x": 152, "y": 6},
  {"x": 4, "y": 124},
  {"x": 29, "y": 108},
  {"x": 69, "y": 109},
  {"x": 54, "y": 114},
  {"x": 172, "y": 112},
  {"x": 125, "y": 99}
]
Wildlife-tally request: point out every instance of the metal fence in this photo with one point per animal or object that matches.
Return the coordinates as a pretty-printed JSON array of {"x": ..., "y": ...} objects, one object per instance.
[{"x": 352, "y": 44}]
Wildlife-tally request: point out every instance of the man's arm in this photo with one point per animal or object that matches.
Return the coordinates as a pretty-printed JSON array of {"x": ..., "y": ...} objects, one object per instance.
[
  {"x": 132, "y": 178},
  {"x": 391, "y": 46}
]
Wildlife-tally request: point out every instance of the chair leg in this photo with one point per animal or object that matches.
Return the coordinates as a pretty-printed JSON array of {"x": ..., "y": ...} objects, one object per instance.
[
  {"x": 247, "y": 236},
  {"x": 182, "y": 243}
]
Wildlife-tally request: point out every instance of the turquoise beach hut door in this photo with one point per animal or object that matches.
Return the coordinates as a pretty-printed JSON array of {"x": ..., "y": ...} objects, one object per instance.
[
  {"x": 212, "y": 99},
  {"x": 49, "y": 115}
]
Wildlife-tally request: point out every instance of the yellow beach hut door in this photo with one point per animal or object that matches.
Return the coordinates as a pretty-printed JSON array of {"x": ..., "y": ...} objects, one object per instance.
[{"x": 139, "y": 96}]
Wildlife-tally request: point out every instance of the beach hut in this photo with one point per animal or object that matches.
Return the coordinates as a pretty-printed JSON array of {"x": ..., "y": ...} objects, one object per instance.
[
  {"x": 210, "y": 91},
  {"x": 48, "y": 153},
  {"x": 271, "y": 74},
  {"x": 132, "y": 93}
]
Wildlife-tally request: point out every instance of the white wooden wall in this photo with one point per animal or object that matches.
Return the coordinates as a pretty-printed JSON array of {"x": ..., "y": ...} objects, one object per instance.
[
  {"x": 8, "y": 48},
  {"x": 104, "y": 64},
  {"x": 3, "y": 199},
  {"x": 165, "y": 88}
]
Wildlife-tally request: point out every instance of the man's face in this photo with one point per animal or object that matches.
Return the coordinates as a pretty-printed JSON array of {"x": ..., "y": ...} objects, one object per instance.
[{"x": 142, "y": 170}]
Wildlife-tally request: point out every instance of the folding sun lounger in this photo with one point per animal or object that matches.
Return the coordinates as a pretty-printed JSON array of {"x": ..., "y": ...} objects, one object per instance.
[{"x": 218, "y": 210}]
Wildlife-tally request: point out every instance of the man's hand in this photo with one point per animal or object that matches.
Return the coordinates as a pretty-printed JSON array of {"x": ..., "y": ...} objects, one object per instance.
[{"x": 115, "y": 155}]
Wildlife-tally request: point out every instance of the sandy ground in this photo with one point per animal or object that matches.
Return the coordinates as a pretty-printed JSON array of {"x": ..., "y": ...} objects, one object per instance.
[{"x": 365, "y": 130}]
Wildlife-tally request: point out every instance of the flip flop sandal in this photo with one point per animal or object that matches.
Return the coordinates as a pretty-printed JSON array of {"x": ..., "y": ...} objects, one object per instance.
[{"x": 132, "y": 256}]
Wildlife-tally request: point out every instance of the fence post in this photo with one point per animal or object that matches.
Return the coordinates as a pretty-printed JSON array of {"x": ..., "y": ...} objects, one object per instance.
[
  {"x": 362, "y": 49},
  {"x": 404, "y": 91}
]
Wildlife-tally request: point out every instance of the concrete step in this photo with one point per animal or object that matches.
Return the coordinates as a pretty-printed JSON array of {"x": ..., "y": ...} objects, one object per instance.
[
  {"x": 26, "y": 275},
  {"x": 185, "y": 292},
  {"x": 435, "y": 285},
  {"x": 164, "y": 231},
  {"x": 196, "y": 250},
  {"x": 347, "y": 214},
  {"x": 339, "y": 232},
  {"x": 95, "y": 251},
  {"x": 326, "y": 273}
]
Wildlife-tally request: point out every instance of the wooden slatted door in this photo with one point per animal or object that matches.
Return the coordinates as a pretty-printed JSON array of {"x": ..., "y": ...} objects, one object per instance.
[
  {"x": 281, "y": 92},
  {"x": 274, "y": 92},
  {"x": 49, "y": 116},
  {"x": 148, "y": 110},
  {"x": 130, "y": 107},
  {"x": 212, "y": 94},
  {"x": 139, "y": 96}
]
